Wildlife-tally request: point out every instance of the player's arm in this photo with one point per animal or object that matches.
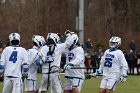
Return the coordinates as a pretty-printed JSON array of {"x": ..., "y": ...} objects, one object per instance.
[
  {"x": 102, "y": 61},
  {"x": 43, "y": 57},
  {"x": 123, "y": 67},
  {"x": 123, "y": 64},
  {"x": 39, "y": 58},
  {"x": 101, "y": 64},
  {"x": 33, "y": 57}
]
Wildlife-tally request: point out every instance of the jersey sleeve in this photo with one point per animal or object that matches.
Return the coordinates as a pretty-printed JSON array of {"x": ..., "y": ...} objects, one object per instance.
[
  {"x": 102, "y": 61},
  {"x": 123, "y": 63},
  {"x": 80, "y": 57},
  {"x": 42, "y": 53},
  {"x": 101, "y": 64}
]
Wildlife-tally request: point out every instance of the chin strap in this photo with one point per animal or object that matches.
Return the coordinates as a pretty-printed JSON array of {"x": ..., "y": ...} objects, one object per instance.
[{"x": 113, "y": 49}]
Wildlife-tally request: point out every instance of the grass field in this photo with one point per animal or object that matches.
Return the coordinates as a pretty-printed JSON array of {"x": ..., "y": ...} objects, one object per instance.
[{"x": 132, "y": 85}]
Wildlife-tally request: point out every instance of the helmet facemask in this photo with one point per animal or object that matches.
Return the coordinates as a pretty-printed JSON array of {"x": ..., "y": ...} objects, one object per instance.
[{"x": 51, "y": 41}]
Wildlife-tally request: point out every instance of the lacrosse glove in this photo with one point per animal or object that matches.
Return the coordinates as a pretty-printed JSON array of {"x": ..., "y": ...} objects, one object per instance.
[
  {"x": 122, "y": 78},
  {"x": 68, "y": 66},
  {"x": 25, "y": 69}
]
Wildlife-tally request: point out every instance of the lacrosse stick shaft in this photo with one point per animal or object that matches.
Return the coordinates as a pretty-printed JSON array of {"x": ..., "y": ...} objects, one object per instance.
[
  {"x": 36, "y": 56},
  {"x": 51, "y": 50},
  {"x": 84, "y": 68},
  {"x": 49, "y": 76}
]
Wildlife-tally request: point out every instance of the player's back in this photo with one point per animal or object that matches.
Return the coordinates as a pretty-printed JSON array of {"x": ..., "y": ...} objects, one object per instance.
[
  {"x": 32, "y": 54},
  {"x": 13, "y": 58},
  {"x": 73, "y": 55}
]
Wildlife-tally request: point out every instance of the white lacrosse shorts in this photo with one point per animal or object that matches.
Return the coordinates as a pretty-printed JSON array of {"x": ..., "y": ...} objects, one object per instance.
[
  {"x": 12, "y": 85},
  {"x": 72, "y": 83},
  {"x": 108, "y": 83},
  {"x": 30, "y": 85},
  {"x": 55, "y": 83}
]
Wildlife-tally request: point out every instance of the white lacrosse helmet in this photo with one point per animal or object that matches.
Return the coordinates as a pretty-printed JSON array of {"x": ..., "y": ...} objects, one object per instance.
[
  {"x": 115, "y": 42},
  {"x": 53, "y": 38},
  {"x": 14, "y": 36},
  {"x": 68, "y": 32},
  {"x": 71, "y": 40},
  {"x": 57, "y": 37},
  {"x": 39, "y": 40}
]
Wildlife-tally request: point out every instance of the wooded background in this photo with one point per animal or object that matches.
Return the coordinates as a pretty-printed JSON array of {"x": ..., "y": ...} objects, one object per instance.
[{"x": 103, "y": 19}]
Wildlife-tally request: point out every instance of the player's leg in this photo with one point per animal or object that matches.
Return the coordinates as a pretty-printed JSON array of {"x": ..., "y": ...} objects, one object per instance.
[
  {"x": 103, "y": 85},
  {"x": 17, "y": 85},
  {"x": 109, "y": 91},
  {"x": 68, "y": 87},
  {"x": 67, "y": 91},
  {"x": 56, "y": 86},
  {"x": 43, "y": 84},
  {"x": 30, "y": 86},
  {"x": 73, "y": 85},
  {"x": 75, "y": 90},
  {"x": 102, "y": 90},
  {"x": 111, "y": 85},
  {"x": 7, "y": 85},
  {"x": 77, "y": 85}
]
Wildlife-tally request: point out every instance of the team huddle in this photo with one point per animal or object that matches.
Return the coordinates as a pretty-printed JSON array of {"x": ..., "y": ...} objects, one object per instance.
[{"x": 18, "y": 65}]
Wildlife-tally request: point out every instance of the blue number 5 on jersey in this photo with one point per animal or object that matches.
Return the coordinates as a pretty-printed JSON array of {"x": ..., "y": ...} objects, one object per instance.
[
  {"x": 108, "y": 62},
  {"x": 13, "y": 57}
]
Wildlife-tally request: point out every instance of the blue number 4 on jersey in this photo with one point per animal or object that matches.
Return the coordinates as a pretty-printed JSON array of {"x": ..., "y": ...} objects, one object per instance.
[{"x": 13, "y": 57}]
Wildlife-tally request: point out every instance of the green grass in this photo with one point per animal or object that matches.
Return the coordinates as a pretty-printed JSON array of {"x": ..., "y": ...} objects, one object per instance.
[{"x": 92, "y": 85}]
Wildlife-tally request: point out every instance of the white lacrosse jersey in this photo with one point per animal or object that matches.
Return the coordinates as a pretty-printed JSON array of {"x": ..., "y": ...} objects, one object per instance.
[
  {"x": 59, "y": 49},
  {"x": 113, "y": 63},
  {"x": 32, "y": 54},
  {"x": 75, "y": 56},
  {"x": 12, "y": 58}
]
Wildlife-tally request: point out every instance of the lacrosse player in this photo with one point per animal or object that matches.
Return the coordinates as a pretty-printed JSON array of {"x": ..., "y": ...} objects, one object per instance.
[
  {"x": 74, "y": 58},
  {"x": 113, "y": 65},
  {"x": 51, "y": 56},
  {"x": 13, "y": 59},
  {"x": 31, "y": 81}
]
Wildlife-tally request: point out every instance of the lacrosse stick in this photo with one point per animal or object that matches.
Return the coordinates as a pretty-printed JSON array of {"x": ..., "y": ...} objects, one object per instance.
[{"x": 51, "y": 50}]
